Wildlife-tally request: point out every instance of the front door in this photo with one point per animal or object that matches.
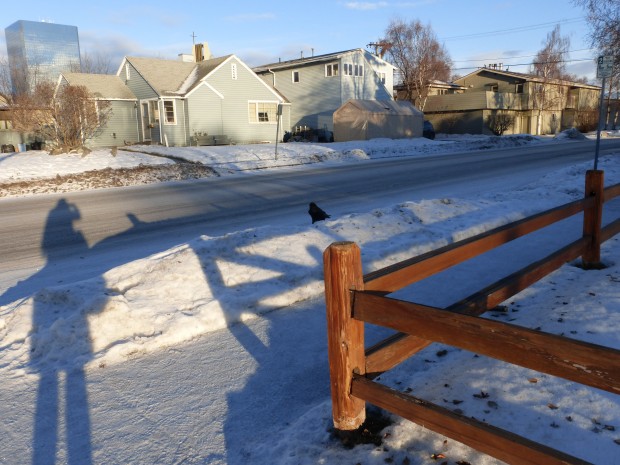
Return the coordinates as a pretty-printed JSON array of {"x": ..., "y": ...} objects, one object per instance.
[{"x": 146, "y": 119}]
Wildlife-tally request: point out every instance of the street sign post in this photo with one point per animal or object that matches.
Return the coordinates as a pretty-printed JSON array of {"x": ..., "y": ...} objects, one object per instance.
[{"x": 604, "y": 68}]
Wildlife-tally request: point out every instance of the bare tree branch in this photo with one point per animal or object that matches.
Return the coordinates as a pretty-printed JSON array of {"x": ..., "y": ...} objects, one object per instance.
[
  {"x": 66, "y": 116},
  {"x": 419, "y": 57}
]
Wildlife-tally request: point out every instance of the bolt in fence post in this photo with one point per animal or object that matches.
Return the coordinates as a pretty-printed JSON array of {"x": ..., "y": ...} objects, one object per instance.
[
  {"x": 592, "y": 219},
  {"x": 342, "y": 262}
]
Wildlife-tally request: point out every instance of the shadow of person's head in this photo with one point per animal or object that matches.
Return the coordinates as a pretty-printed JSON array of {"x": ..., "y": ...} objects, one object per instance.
[{"x": 60, "y": 238}]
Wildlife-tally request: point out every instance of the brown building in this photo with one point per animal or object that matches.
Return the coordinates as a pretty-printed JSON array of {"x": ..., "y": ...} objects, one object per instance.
[{"x": 490, "y": 99}]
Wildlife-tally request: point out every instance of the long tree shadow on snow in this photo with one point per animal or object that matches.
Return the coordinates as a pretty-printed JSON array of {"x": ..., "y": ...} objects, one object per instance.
[{"x": 287, "y": 342}]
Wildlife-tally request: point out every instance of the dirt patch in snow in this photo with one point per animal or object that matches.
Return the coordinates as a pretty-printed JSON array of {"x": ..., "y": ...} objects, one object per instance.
[{"x": 108, "y": 177}]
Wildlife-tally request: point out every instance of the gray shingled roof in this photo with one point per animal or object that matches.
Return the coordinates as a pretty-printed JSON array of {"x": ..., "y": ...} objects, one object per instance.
[
  {"x": 105, "y": 86},
  {"x": 529, "y": 77},
  {"x": 173, "y": 77},
  {"x": 304, "y": 61}
]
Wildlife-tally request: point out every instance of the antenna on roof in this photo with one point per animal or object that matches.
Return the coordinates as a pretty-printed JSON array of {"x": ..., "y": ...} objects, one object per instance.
[
  {"x": 381, "y": 47},
  {"x": 193, "y": 36}
]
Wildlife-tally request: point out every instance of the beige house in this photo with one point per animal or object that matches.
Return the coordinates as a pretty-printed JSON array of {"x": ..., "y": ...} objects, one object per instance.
[{"x": 489, "y": 98}]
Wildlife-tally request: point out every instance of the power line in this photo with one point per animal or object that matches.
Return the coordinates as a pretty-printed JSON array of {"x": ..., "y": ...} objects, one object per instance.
[
  {"x": 514, "y": 29},
  {"x": 527, "y": 64},
  {"x": 520, "y": 56}
]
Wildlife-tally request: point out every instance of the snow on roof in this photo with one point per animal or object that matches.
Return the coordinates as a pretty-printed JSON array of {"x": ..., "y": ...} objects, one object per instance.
[{"x": 304, "y": 61}]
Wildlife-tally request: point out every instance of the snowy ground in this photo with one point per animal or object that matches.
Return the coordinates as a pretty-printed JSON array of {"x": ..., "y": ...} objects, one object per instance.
[{"x": 215, "y": 351}]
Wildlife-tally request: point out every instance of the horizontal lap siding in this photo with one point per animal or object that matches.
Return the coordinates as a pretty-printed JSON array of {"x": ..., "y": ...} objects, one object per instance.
[
  {"x": 122, "y": 126},
  {"x": 237, "y": 94},
  {"x": 313, "y": 96},
  {"x": 137, "y": 84},
  {"x": 175, "y": 134},
  {"x": 204, "y": 108}
]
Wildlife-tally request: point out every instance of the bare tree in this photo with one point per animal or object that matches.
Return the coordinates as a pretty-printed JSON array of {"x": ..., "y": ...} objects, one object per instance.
[
  {"x": 604, "y": 20},
  {"x": 94, "y": 64},
  {"x": 500, "y": 122},
  {"x": 419, "y": 57},
  {"x": 5, "y": 79},
  {"x": 550, "y": 67},
  {"x": 65, "y": 116},
  {"x": 550, "y": 61}
]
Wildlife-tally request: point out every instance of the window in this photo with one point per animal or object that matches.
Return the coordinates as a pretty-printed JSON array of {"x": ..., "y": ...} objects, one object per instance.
[
  {"x": 295, "y": 76},
  {"x": 348, "y": 69},
  {"x": 331, "y": 70},
  {"x": 233, "y": 70},
  {"x": 359, "y": 70},
  {"x": 169, "y": 115},
  {"x": 381, "y": 77},
  {"x": 519, "y": 88},
  {"x": 263, "y": 112},
  {"x": 154, "y": 107},
  {"x": 493, "y": 87}
]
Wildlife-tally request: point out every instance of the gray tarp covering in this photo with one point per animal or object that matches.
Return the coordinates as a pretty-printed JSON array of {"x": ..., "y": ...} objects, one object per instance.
[{"x": 370, "y": 119}]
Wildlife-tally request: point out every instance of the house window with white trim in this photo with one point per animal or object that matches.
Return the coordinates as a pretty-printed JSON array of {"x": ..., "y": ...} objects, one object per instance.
[
  {"x": 359, "y": 70},
  {"x": 331, "y": 70},
  {"x": 348, "y": 69},
  {"x": 169, "y": 112},
  {"x": 263, "y": 112},
  {"x": 295, "y": 76}
]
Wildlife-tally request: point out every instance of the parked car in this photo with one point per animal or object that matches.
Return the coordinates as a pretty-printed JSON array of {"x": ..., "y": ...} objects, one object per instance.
[{"x": 428, "y": 130}]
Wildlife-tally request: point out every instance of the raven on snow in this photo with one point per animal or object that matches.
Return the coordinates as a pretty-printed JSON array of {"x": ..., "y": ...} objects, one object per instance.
[{"x": 316, "y": 213}]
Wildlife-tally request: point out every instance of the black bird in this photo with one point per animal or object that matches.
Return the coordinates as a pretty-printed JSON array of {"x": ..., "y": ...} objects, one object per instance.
[{"x": 316, "y": 213}]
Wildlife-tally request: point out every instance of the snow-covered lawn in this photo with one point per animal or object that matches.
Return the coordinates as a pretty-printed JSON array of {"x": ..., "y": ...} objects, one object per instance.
[{"x": 215, "y": 351}]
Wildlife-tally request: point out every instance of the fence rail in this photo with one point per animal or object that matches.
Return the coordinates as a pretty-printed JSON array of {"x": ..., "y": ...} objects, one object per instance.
[{"x": 353, "y": 299}]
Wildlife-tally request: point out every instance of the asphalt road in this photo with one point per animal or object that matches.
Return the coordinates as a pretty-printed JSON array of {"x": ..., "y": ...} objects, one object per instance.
[{"x": 86, "y": 233}]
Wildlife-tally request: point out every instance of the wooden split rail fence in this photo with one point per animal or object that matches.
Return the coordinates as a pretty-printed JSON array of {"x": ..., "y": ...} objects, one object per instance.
[{"x": 353, "y": 298}]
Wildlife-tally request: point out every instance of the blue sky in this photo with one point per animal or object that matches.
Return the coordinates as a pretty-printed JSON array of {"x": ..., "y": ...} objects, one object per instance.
[{"x": 475, "y": 32}]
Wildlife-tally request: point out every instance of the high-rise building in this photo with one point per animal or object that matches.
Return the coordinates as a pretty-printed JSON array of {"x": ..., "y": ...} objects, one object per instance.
[{"x": 40, "y": 51}]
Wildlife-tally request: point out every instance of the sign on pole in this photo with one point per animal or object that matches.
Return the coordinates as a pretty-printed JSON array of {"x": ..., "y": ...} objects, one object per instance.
[{"x": 605, "y": 66}]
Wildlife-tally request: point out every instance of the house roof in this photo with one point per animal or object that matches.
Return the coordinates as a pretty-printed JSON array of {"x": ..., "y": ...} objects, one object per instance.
[
  {"x": 311, "y": 60},
  {"x": 528, "y": 77},
  {"x": 174, "y": 77},
  {"x": 106, "y": 86},
  {"x": 165, "y": 76}
]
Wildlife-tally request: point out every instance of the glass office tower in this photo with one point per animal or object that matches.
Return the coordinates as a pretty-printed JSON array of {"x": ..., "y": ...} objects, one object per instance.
[{"x": 40, "y": 51}]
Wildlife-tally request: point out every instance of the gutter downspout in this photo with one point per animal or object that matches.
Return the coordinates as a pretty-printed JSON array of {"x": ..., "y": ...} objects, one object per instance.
[
  {"x": 161, "y": 122},
  {"x": 274, "y": 77}
]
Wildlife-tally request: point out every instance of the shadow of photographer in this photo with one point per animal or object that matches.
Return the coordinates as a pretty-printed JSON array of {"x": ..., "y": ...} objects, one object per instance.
[{"x": 58, "y": 333}]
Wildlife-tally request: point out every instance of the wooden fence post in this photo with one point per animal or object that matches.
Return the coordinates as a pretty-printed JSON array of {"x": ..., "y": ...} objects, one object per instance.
[
  {"x": 342, "y": 262},
  {"x": 592, "y": 219}
]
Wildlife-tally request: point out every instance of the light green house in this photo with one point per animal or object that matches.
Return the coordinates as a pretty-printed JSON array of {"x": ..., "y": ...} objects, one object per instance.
[
  {"x": 214, "y": 101},
  {"x": 122, "y": 126}
]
